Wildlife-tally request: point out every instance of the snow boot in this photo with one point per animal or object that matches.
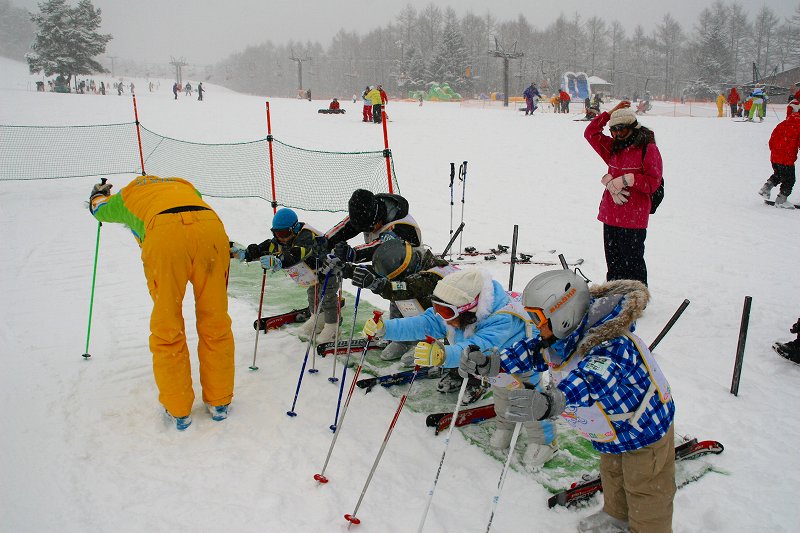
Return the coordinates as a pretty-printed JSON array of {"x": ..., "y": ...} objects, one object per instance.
[
  {"x": 790, "y": 350},
  {"x": 181, "y": 422},
  {"x": 308, "y": 326},
  {"x": 781, "y": 201},
  {"x": 602, "y": 522},
  {"x": 218, "y": 412},
  {"x": 450, "y": 382},
  {"x": 407, "y": 359},
  {"x": 501, "y": 439},
  {"x": 395, "y": 350},
  {"x": 765, "y": 190},
  {"x": 538, "y": 454},
  {"x": 474, "y": 392},
  {"x": 327, "y": 333}
]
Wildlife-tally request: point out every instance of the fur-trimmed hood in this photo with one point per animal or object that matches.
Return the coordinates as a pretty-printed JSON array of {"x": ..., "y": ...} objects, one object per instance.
[{"x": 614, "y": 307}]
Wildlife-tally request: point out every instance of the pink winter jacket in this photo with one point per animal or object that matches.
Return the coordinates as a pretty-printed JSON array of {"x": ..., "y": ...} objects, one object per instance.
[{"x": 647, "y": 177}]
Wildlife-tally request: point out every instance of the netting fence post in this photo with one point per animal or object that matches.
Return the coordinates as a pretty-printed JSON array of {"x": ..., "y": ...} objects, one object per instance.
[
  {"x": 138, "y": 134},
  {"x": 386, "y": 152},
  {"x": 271, "y": 165}
]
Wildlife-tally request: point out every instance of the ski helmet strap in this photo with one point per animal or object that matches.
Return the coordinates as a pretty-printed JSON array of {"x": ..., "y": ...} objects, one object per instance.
[{"x": 406, "y": 261}]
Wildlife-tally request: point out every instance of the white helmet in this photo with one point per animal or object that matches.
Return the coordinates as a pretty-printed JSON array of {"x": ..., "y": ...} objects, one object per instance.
[{"x": 562, "y": 295}]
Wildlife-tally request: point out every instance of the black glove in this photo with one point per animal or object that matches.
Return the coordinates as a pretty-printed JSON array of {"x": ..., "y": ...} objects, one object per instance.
[
  {"x": 100, "y": 189},
  {"x": 363, "y": 277},
  {"x": 331, "y": 265},
  {"x": 344, "y": 252},
  {"x": 319, "y": 247}
]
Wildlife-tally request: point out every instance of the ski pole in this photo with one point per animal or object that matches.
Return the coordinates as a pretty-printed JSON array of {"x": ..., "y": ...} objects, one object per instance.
[
  {"x": 291, "y": 411},
  {"x": 444, "y": 452},
  {"x": 513, "y": 257},
  {"x": 337, "y": 427},
  {"x": 313, "y": 338},
  {"x": 351, "y": 517},
  {"x": 258, "y": 329},
  {"x": 333, "y": 378},
  {"x": 86, "y": 354},
  {"x": 462, "y": 176},
  {"x": 452, "y": 179},
  {"x": 502, "y": 481},
  {"x": 376, "y": 315}
]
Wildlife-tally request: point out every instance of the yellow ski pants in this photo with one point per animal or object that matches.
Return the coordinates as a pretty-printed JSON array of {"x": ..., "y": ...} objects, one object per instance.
[{"x": 179, "y": 248}]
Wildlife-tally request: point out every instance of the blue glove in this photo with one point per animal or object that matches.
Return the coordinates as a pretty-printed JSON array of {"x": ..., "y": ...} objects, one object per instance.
[
  {"x": 238, "y": 251},
  {"x": 271, "y": 262}
]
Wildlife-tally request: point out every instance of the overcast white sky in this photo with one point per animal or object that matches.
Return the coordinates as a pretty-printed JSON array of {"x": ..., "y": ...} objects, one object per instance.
[{"x": 205, "y": 31}]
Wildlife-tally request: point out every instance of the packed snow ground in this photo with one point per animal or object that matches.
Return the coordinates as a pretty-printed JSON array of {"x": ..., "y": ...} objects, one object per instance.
[{"x": 84, "y": 444}]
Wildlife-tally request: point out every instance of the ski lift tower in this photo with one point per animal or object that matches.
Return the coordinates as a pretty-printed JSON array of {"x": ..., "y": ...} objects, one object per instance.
[
  {"x": 299, "y": 61},
  {"x": 500, "y": 52},
  {"x": 178, "y": 64}
]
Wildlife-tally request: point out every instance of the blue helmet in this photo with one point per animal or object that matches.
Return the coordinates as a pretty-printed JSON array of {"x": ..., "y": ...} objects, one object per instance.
[{"x": 285, "y": 219}]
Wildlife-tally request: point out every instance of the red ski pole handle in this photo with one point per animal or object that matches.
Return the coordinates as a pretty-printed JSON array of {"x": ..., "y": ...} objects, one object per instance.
[{"x": 376, "y": 316}]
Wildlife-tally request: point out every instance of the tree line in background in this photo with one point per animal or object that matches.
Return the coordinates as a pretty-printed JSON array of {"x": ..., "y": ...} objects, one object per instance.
[{"x": 434, "y": 45}]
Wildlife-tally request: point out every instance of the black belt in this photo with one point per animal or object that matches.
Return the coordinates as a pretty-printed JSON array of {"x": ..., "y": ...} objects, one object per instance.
[{"x": 183, "y": 209}]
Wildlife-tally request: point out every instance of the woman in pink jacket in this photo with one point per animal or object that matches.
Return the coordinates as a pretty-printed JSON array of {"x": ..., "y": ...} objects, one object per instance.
[{"x": 634, "y": 173}]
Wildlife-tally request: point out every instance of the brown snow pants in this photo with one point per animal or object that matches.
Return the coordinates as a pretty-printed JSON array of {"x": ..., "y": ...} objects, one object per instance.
[{"x": 639, "y": 485}]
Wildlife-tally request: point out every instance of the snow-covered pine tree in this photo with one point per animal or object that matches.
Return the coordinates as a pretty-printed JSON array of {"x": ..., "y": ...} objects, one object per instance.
[
  {"x": 67, "y": 39},
  {"x": 451, "y": 60}
]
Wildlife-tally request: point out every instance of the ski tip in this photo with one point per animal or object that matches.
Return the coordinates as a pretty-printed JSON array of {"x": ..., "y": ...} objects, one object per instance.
[
  {"x": 320, "y": 478},
  {"x": 86, "y": 355},
  {"x": 291, "y": 413},
  {"x": 352, "y": 519},
  {"x": 253, "y": 367}
]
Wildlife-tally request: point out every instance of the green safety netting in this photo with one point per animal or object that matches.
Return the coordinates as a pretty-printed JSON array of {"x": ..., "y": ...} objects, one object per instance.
[{"x": 306, "y": 179}]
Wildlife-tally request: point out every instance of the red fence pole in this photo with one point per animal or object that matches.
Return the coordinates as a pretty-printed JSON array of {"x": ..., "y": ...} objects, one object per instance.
[
  {"x": 386, "y": 152},
  {"x": 138, "y": 134},
  {"x": 271, "y": 165}
]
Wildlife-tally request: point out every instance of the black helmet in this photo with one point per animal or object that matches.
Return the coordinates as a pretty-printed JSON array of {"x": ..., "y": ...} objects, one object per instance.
[
  {"x": 364, "y": 209},
  {"x": 394, "y": 259}
]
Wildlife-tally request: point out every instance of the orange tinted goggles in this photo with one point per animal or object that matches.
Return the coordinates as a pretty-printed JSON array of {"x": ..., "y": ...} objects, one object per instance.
[
  {"x": 449, "y": 312},
  {"x": 537, "y": 316}
]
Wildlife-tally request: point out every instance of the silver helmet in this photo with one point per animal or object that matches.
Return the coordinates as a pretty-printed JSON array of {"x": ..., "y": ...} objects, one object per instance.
[{"x": 562, "y": 295}]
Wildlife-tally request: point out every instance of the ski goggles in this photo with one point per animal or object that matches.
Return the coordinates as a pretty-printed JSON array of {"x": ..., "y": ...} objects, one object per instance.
[
  {"x": 283, "y": 234},
  {"x": 618, "y": 127},
  {"x": 537, "y": 316},
  {"x": 449, "y": 312}
]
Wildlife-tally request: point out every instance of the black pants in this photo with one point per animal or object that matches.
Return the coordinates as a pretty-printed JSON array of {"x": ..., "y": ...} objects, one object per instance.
[
  {"x": 782, "y": 175},
  {"x": 376, "y": 113},
  {"x": 734, "y": 110},
  {"x": 624, "y": 249}
]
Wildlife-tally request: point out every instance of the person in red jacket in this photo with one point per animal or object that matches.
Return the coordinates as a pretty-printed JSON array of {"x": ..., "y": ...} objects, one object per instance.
[
  {"x": 564, "y": 98},
  {"x": 634, "y": 173},
  {"x": 783, "y": 145},
  {"x": 334, "y": 105},
  {"x": 733, "y": 101}
]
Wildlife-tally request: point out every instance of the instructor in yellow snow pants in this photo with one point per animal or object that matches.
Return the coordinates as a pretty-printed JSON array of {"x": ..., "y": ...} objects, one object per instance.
[{"x": 182, "y": 241}]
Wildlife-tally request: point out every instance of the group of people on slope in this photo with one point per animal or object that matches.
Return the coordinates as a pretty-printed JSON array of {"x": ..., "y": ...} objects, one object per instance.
[
  {"x": 187, "y": 89},
  {"x": 603, "y": 380},
  {"x": 755, "y": 105},
  {"x": 602, "y": 373},
  {"x": 375, "y": 100}
]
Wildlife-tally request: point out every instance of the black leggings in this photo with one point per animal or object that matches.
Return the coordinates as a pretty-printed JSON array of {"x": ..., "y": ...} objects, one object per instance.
[
  {"x": 782, "y": 175},
  {"x": 624, "y": 249}
]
